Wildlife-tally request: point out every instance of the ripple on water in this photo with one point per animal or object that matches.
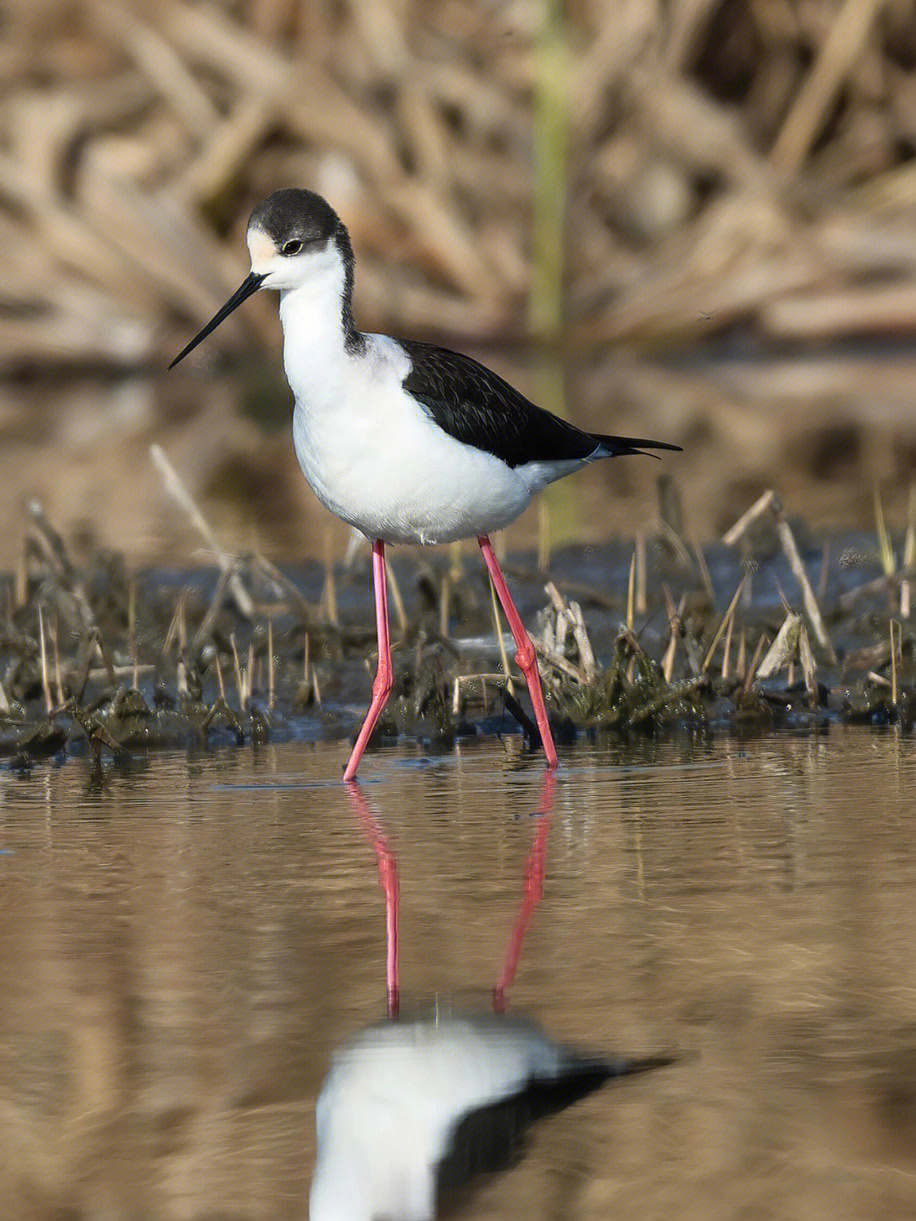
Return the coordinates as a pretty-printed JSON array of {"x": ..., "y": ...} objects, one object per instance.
[{"x": 183, "y": 944}]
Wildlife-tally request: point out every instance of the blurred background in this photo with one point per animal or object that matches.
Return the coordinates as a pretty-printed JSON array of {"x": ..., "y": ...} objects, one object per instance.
[{"x": 693, "y": 220}]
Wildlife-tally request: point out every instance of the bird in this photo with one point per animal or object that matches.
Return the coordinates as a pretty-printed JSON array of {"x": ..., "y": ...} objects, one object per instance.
[
  {"x": 406, "y": 441},
  {"x": 413, "y": 1109}
]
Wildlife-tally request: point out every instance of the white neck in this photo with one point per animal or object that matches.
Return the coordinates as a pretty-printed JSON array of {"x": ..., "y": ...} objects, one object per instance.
[
  {"x": 314, "y": 337},
  {"x": 313, "y": 310}
]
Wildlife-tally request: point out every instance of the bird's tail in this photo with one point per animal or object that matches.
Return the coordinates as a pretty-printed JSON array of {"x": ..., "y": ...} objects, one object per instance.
[
  {"x": 580, "y": 1075},
  {"x": 614, "y": 447},
  {"x": 489, "y": 1137},
  {"x": 625, "y": 1067}
]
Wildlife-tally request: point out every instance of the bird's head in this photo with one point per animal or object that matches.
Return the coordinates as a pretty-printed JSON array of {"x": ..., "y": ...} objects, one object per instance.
[
  {"x": 292, "y": 239},
  {"x": 295, "y": 239}
]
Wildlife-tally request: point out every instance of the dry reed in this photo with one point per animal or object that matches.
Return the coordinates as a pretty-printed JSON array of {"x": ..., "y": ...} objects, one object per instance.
[{"x": 696, "y": 166}]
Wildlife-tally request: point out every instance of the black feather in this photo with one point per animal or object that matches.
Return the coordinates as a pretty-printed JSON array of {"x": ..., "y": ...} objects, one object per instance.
[
  {"x": 478, "y": 407},
  {"x": 492, "y": 1138},
  {"x": 293, "y": 212}
]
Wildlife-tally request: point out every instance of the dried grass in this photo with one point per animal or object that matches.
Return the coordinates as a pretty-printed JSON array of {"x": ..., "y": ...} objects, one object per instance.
[{"x": 716, "y": 164}]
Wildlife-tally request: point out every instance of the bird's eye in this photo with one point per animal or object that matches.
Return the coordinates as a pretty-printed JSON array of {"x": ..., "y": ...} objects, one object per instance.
[{"x": 292, "y": 247}]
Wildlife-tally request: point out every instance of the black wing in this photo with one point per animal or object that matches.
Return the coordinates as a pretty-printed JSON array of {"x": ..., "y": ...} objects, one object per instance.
[
  {"x": 492, "y": 1138},
  {"x": 476, "y": 406}
]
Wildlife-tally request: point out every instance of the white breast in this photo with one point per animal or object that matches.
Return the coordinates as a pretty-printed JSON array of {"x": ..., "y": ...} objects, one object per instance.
[{"x": 373, "y": 455}]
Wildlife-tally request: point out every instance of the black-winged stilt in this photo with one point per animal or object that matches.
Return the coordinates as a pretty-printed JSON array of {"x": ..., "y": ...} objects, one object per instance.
[
  {"x": 412, "y": 1108},
  {"x": 406, "y": 441}
]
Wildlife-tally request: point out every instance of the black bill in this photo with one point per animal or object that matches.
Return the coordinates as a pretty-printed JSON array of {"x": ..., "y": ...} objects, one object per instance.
[{"x": 248, "y": 286}]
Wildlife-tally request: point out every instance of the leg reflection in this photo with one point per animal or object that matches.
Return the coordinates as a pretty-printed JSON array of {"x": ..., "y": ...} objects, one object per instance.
[
  {"x": 532, "y": 894},
  {"x": 388, "y": 880}
]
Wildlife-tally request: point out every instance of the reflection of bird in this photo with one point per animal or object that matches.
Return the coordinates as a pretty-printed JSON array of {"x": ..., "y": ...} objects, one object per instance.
[
  {"x": 408, "y": 442},
  {"x": 411, "y": 1109}
]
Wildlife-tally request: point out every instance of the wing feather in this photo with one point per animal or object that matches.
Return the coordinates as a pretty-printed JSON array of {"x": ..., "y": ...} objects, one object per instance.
[{"x": 478, "y": 407}]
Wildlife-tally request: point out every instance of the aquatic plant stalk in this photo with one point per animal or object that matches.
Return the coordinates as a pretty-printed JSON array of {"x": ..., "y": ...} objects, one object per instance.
[
  {"x": 398, "y": 599},
  {"x": 445, "y": 595},
  {"x": 497, "y": 624},
  {"x": 543, "y": 549},
  {"x": 557, "y": 520},
  {"x": 748, "y": 517},
  {"x": 329, "y": 595},
  {"x": 172, "y": 630},
  {"x": 675, "y": 627},
  {"x": 182, "y": 624},
  {"x": 789, "y": 546},
  {"x": 769, "y": 501},
  {"x": 755, "y": 661},
  {"x": 583, "y": 643},
  {"x": 677, "y": 544},
  {"x": 885, "y": 547},
  {"x": 809, "y": 666},
  {"x": 666, "y": 698},
  {"x": 704, "y": 571},
  {"x": 727, "y": 650},
  {"x": 783, "y": 648},
  {"x": 177, "y": 490},
  {"x": 58, "y": 677},
  {"x": 271, "y": 690},
  {"x": 45, "y": 683},
  {"x": 909, "y": 557},
  {"x": 563, "y": 664},
  {"x": 239, "y": 681},
  {"x": 824, "y": 578},
  {"x": 132, "y": 628},
  {"x": 725, "y": 624},
  {"x": 642, "y": 598}
]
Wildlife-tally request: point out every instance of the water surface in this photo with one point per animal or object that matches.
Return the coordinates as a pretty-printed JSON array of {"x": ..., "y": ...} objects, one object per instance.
[{"x": 183, "y": 944}]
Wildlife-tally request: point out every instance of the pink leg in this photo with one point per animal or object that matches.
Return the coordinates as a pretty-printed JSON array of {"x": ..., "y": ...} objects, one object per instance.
[
  {"x": 525, "y": 656},
  {"x": 533, "y": 893},
  {"x": 388, "y": 880},
  {"x": 384, "y": 675}
]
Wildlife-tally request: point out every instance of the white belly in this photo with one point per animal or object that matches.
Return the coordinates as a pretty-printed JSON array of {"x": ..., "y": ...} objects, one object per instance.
[{"x": 379, "y": 461}]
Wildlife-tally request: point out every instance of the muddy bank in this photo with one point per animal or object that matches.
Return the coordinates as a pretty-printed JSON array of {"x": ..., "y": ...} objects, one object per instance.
[{"x": 772, "y": 628}]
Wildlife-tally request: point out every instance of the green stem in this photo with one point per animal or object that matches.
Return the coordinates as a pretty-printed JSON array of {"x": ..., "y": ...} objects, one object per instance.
[{"x": 547, "y": 300}]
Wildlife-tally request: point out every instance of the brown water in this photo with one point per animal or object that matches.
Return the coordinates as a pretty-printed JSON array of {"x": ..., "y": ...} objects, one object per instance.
[{"x": 182, "y": 946}]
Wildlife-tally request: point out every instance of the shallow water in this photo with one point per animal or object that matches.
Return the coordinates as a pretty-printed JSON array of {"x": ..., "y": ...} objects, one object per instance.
[{"x": 182, "y": 945}]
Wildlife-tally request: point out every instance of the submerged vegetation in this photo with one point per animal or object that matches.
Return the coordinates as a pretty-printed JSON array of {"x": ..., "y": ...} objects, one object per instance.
[{"x": 758, "y": 631}]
